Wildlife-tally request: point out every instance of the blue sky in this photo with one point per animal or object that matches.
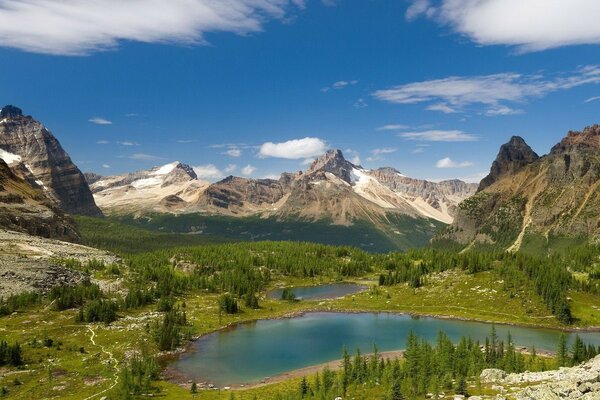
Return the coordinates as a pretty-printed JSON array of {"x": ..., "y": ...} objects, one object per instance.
[{"x": 432, "y": 88}]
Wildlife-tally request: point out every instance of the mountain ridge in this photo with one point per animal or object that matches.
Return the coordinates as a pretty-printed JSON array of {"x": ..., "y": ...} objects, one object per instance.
[{"x": 552, "y": 196}]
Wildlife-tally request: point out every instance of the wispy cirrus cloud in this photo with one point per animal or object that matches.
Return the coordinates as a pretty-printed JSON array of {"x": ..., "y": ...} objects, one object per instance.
[
  {"x": 127, "y": 143},
  {"x": 294, "y": 149},
  {"x": 144, "y": 157},
  {"x": 528, "y": 25},
  {"x": 447, "y": 162},
  {"x": 492, "y": 92},
  {"x": 392, "y": 127},
  {"x": 338, "y": 85},
  {"x": 439, "y": 136},
  {"x": 590, "y": 99},
  {"x": 79, "y": 27},
  {"x": 383, "y": 150},
  {"x": 99, "y": 121}
]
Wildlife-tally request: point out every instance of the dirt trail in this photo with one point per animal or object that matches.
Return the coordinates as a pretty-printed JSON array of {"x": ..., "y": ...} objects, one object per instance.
[{"x": 112, "y": 359}]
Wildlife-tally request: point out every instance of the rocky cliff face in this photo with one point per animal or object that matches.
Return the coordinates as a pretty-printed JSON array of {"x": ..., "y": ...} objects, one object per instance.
[
  {"x": 557, "y": 195},
  {"x": 512, "y": 156},
  {"x": 24, "y": 208},
  {"x": 41, "y": 160},
  {"x": 443, "y": 196}
]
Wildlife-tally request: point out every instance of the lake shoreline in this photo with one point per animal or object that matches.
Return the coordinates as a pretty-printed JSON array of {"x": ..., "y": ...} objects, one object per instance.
[{"x": 179, "y": 378}]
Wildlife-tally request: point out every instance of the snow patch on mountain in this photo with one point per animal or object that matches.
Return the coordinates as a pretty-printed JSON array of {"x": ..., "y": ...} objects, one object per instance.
[
  {"x": 9, "y": 158},
  {"x": 165, "y": 169}
]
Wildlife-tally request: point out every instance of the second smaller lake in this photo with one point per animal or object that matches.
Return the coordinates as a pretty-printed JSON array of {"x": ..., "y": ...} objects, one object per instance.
[{"x": 320, "y": 292}]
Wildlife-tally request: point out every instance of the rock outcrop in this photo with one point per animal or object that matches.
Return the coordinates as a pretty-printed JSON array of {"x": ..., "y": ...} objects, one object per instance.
[
  {"x": 38, "y": 157},
  {"x": 39, "y": 271},
  {"x": 580, "y": 382}
]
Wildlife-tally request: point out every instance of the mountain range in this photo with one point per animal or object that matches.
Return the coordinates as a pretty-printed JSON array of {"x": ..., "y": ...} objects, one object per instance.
[
  {"x": 524, "y": 199},
  {"x": 332, "y": 188}
]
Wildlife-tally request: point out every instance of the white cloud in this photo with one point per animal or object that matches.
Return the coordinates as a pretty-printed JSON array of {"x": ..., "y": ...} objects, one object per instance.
[
  {"x": 419, "y": 7},
  {"x": 384, "y": 150},
  {"x": 339, "y": 85},
  {"x": 186, "y": 141},
  {"x": 589, "y": 100},
  {"x": 454, "y": 93},
  {"x": 392, "y": 127},
  {"x": 230, "y": 168},
  {"x": 105, "y": 166},
  {"x": 531, "y": 25},
  {"x": 248, "y": 170},
  {"x": 440, "y": 136},
  {"x": 76, "y": 27},
  {"x": 128, "y": 143},
  {"x": 294, "y": 149},
  {"x": 208, "y": 172},
  {"x": 144, "y": 157},
  {"x": 449, "y": 163},
  {"x": 102, "y": 142},
  {"x": 418, "y": 150},
  {"x": 233, "y": 152},
  {"x": 96, "y": 120}
]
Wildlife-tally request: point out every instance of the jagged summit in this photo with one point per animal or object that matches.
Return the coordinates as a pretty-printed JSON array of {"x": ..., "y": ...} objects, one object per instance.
[
  {"x": 588, "y": 138},
  {"x": 9, "y": 111},
  {"x": 333, "y": 161},
  {"x": 512, "y": 156}
]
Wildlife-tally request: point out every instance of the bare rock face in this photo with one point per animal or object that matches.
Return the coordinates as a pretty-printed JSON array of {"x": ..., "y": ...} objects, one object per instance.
[
  {"x": 24, "y": 208},
  {"x": 235, "y": 193},
  {"x": 43, "y": 161},
  {"x": 443, "y": 196},
  {"x": 512, "y": 156},
  {"x": 333, "y": 162}
]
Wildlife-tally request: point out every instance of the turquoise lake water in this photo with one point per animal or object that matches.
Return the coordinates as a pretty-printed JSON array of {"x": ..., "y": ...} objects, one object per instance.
[
  {"x": 320, "y": 292},
  {"x": 250, "y": 352}
]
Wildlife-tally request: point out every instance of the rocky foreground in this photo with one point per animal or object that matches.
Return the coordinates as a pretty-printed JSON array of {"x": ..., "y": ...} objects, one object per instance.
[
  {"x": 30, "y": 263},
  {"x": 580, "y": 382}
]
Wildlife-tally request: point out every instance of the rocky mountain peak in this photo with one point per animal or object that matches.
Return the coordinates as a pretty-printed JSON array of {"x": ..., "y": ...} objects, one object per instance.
[
  {"x": 333, "y": 162},
  {"x": 42, "y": 160},
  {"x": 9, "y": 111},
  {"x": 588, "y": 138},
  {"x": 512, "y": 156}
]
